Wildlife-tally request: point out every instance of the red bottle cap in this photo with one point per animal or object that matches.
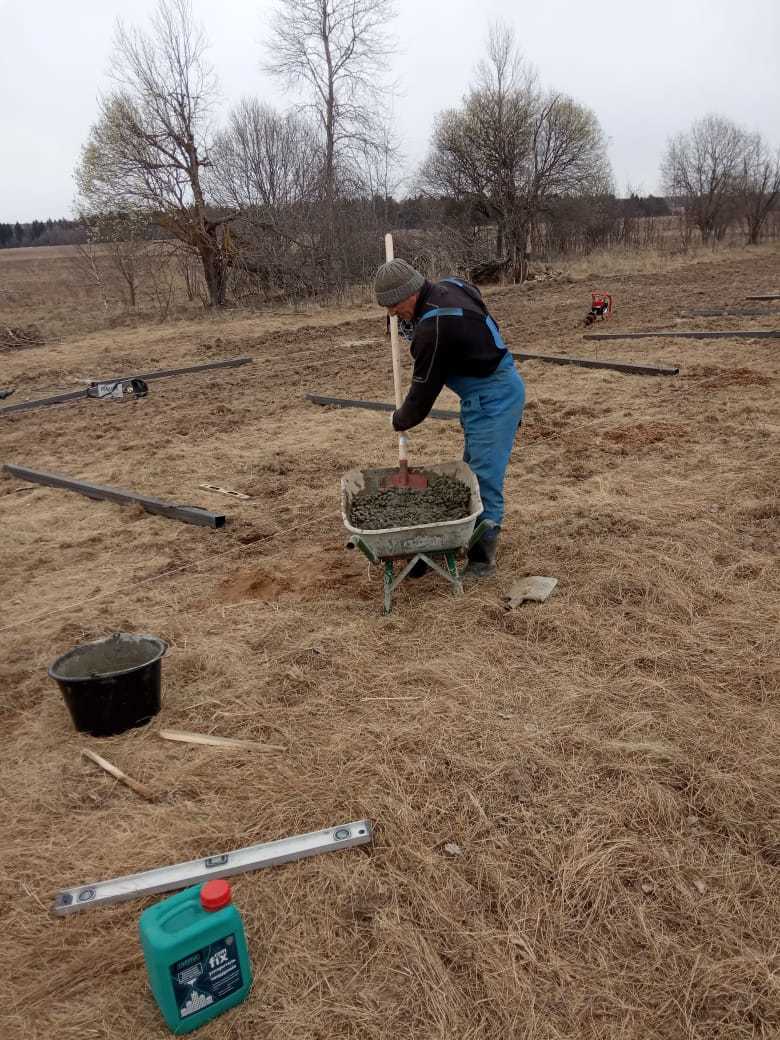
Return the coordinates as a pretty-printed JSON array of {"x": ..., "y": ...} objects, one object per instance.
[{"x": 215, "y": 894}]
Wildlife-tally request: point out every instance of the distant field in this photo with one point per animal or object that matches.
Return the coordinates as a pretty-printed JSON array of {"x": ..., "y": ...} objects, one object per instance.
[{"x": 606, "y": 764}]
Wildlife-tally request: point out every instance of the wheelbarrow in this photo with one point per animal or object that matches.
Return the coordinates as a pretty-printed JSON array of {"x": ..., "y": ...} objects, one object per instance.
[{"x": 434, "y": 544}]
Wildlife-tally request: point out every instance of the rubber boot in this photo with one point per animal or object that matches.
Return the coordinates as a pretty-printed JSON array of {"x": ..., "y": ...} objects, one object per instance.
[{"x": 482, "y": 556}]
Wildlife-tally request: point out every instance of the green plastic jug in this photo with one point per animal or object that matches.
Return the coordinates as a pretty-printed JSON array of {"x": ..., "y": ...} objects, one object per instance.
[{"x": 196, "y": 955}]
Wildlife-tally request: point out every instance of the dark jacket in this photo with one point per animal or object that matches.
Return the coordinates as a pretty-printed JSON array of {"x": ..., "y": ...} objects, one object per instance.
[{"x": 454, "y": 335}]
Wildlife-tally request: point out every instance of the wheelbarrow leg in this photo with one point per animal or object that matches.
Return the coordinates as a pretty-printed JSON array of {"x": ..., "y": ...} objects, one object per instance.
[
  {"x": 391, "y": 582},
  {"x": 389, "y": 586},
  {"x": 455, "y": 578}
]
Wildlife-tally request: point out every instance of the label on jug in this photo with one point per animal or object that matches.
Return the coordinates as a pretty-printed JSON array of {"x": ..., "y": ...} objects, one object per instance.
[{"x": 206, "y": 976}]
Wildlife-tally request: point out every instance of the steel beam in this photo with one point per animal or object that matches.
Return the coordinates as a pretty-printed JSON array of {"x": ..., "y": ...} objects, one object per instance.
[
  {"x": 736, "y": 312},
  {"x": 160, "y": 373},
  {"x": 374, "y": 406},
  {"x": 27, "y": 406},
  {"x": 187, "y": 514},
  {"x": 618, "y": 366},
  {"x": 692, "y": 334},
  {"x": 164, "y": 373}
]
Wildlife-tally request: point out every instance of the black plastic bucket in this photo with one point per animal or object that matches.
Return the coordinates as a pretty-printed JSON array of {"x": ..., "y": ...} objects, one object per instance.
[{"x": 113, "y": 684}]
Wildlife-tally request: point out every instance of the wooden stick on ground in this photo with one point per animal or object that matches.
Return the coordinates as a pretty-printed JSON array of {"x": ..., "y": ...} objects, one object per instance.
[
  {"x": 223, "y": 491},
  {"x": 207, "y": 738},
  {"x": 139, "y": 788}
]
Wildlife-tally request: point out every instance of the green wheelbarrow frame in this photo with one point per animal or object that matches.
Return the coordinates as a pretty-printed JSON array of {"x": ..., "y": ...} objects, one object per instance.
[
  {"x": 436, "y": 544},
  {"x": 393, "y": 580}
]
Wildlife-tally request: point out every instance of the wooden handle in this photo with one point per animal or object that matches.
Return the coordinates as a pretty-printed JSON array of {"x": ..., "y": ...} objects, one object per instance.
[
  {"x": 396, "y": 349},
  {"x": 109, "y": 767}
]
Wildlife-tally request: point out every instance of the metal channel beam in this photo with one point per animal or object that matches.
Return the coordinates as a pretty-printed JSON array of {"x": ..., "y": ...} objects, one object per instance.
[
  {"x": 163, "y": 373},
  {"x": 374, "y": 406},
  {"x": 187, "y": 514},
  {"x": 736, "y": 312},
  {"x": 225, "y": 864},
  {"x": 740, "y": 334},
  {"x": 160, "y": 373},
  {"x": 618, "y": 366},
  {"x": 27, "y": 406}
]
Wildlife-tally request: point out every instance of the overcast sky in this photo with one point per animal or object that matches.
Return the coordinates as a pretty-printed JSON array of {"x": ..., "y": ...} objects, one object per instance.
[{"x": 647, "y": 69}]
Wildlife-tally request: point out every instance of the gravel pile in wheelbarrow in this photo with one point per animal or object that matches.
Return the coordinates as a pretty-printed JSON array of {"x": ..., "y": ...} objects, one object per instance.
[{"x": 445, "y": 498}]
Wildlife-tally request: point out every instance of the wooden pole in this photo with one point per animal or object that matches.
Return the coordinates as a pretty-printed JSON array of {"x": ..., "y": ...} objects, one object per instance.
[{"x": 403, "y": 443}]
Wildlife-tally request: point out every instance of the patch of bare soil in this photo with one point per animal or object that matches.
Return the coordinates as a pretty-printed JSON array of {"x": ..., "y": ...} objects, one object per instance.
[
  {"x": 308, "y": 575},
  {"x": 714, "y": 378}
]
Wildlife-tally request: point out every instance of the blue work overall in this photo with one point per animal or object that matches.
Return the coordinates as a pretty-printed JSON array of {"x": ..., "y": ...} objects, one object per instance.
[{"x": 490, "y": 412}]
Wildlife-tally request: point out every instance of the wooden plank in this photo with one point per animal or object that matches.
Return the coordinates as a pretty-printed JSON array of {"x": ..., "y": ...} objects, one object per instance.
[
  {"x": 208, "y": 739},
  {"x": 375, "y": 406},
  {"x": 160, "y": 373},
  {"x": 187, "y": 514},
  {"x": 766, "y": 296},
  {"x": 629, "y": 367},
  {"x": 109, "y": 767},
  {"x": 692, "y": 334}
]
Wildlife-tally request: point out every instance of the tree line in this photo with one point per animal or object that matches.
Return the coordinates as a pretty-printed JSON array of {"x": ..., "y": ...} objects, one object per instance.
[
  {"x": 409, "y": 212},
  {"x": 296, "y": 202},
  {"x": 40, "y": 233}
]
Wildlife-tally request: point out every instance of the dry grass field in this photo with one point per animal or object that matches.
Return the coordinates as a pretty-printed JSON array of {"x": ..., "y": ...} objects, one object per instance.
[{"x": 608, "y": 763}]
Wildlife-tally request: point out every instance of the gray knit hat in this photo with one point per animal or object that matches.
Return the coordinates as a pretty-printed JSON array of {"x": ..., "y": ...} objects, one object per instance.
[{"x": 394, "y": 281}]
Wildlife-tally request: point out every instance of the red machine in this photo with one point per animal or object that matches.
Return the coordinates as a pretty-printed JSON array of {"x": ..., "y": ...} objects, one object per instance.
[{"x": 600, "y": 308}]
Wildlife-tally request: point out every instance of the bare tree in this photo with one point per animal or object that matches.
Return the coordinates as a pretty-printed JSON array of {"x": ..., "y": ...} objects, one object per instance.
[
  {"x": 149, "y": 148},
  {"x": 87, "y": 262},
  {"x": 267, "y": 168},
  {"x": 336, "y": 50},
  {"x": 264, "y": 160},
  {"x": 701, "y": 168},
  {"x": 126, "y": 245},
  {"x": 512, "y": 149},
  {"x": 479, "y": 151},
  {"x": 379, "y": 173},
  {"x": 758, "y": 185}
]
